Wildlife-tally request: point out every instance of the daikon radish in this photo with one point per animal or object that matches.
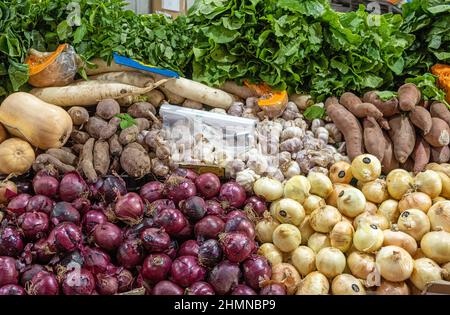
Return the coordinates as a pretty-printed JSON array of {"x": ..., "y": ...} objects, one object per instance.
[{"x": 132, "y": 78}]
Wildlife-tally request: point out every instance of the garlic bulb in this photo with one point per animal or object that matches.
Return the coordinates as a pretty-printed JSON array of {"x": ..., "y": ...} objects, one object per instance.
[
  {"x": 246, "y": 179},
  {"x": 290, "y": 169}
]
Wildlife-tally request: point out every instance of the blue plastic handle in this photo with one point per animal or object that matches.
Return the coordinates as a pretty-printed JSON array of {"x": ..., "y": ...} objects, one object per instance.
[{"x": 125, "y": 61}]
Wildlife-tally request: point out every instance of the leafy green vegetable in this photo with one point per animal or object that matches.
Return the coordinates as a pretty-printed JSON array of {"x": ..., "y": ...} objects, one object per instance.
[
  {"x": 314, "y": 112},
  {"x": 126, "y": 121},
  {"x": 427, "y": 85},
  {"x": 386, "y": 95}
]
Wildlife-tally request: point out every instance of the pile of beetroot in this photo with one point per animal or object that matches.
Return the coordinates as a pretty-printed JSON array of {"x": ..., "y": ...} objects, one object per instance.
[{"x": 190, "y": 235}]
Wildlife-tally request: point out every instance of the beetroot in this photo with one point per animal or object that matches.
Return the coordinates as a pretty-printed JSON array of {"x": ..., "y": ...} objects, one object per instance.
[
  {"x": 12, "y": 289},
  {"x": 166, "y": 287},
  {"x": 194, "y": 208},
  {"x": 214, "y": 208},
  {"x": 40, "y": 203},
  {"x": 152, "y": 191},
  {"x": 34, "y": 225},
  {"x": 129, "y": 208},
  {"x": 130, "y": 253},
  {"x": 93, "y": 218},
  {"x": 43, "y": 283},
  {"x": 186, "y": 270},
  {"x": 209, "y": 227},
  {"x": 232, "y": 195},
  {"x": 8, "y": 271},
  {"x": 65, "y": 212},
  {"x": 72, "y": 186},
  {"x": 65, "y": 236},
  {"x": 242, "y": 225},
  {"x": 224, "y": 277},
  {"x": 155, "y": 240},
  {"x": 242, "y": 289},
  {"x": 200, "y": 288},
  {"x": 107, "y": 235},
  {"x": 189, "y": 248},
  {"x": 45, "y": 185},
  {"x": 18, "y": 204},
  {"x": 106, "y": 284},
  {"x": 78, "y": 282},
  {"x": 208, "y": 185},
  {"x": 209, "y": 253},
  {"x": 237, "y": 247},
  {"x": 178, "y": 188},
  {"x": 256, "y": 269},
  {"x": 273, "y": 289},
  {"x": 156, "y": 267},
  {"x": 172, "y": 220},
  {"x": 11, "y": 243}
]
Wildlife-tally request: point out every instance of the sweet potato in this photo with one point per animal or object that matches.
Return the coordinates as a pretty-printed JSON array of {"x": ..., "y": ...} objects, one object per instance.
[
  {"x": 79, "y": 115},
  {"x": 47, "y": 161},
  {"x": 409, "y": 96},
  {"x": 128, "y": 135},
  {"x": 86, "y": 164},
  {"x": 115, "y": 148},
  {"x": 408, "y": 165},
  {"x": 64, "y": 156},
  {"x": 350, "y": 127},
  {"x": 388, "y": 108},
  {"x": 94, "y": 126},
  {"x": 440, "y": 155},
  {"x": 79, "y": 136},
  {"x": 389, "y": 162},
  {"x": 135, "y": 160},
  {"x": 420, "y": 155},
  {"x": 421, "y": 118},
  {"x": 107, "y": 109},
  {"x": 101, "y": 157},
  {"x": 440, "y": 110},
  {"x": 439, "y": 134},
  {"x": 373, "y": 138},
  {"x": 359, "y": 109},
  {"x": 403, "y": 136},
  {"x": 76, "y": 148},
  {"x": 384, "y": 123},
  {"x": 110, "y": 129}
]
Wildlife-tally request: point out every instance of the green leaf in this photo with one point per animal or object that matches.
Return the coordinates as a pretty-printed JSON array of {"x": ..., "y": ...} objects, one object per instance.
[
  {"x": 427, "y": 85},
  {"x": 386, "y": 95},
  {"x": 314, "y": 112},
  {"x": 126, "y": 121},
  {"x": 64, "y": 30},
  {"x": 79, "y": 33},
  {"x": 18, "y": 74}
]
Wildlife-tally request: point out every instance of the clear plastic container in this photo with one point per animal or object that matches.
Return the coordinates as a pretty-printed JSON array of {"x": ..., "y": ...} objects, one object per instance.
[{"x": 202, "y": 137}]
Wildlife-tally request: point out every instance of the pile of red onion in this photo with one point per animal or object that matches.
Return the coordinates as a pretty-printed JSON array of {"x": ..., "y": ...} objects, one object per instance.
[{"x": 189, "y": 235}]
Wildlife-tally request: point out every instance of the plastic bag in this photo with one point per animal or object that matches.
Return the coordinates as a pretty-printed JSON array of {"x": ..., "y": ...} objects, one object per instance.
[{"x": 56, "y": 68}]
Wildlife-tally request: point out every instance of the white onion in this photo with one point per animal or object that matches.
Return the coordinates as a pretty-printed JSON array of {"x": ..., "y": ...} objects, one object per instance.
[
  {"x": 286, "y": 237},
  {"x": 370, "y": 207},
  {"x": 306, "y": 230},
  {"x": 323, "y": 219},
  {"x": 271, "y": 252},
  {"x": 297, "y": 188},
  {"x": 425, "y": 271},
  {"x": 304, "y": 259},
  {"x": 415, "y": 200},
  {"x": 394, "y": 263},
  {"x": 375, "y": 191},
  {"x": 399, "y": 182},
  {"x": 330, "y": 261},
  {"x": 286, "y": 274},
  {"x": 419, "y": 254},
  {"x": 288, "y": 211},
  {"x": 376, "y": 218},
  {"x": 439, "y": 215},
  {"x": 351, "y": 202},
  {"x": 429, "y": 182},
  {"x": 414, "y": 222},
  {"x": 366, "y": 167},
  {"x": 317, "y": 241},
  {"x": 341, "y": 237},
  {"x": 268, "y": 188},
  {"x": 312, "y": 203},
  {"x": 346, "y": 284},
  {"x": 368, "y": 238},
  {"x": 314, "y": 283},
  {"x": 436, "y": 246},
  {"x": 361, "y": 264},
  {"x": 340, "y": 172},
  {"x": 400, "y": 239},
  {"x": 446, "y": 271},
  {"x": 337, "y": 188},
  {"x": 392, "y": 288},
  {"x": 437, "y": 199},
  {"x": 320, "y": 184},
  {"x": 389, "y": 208},
  {"x": 264, "y": 229}
]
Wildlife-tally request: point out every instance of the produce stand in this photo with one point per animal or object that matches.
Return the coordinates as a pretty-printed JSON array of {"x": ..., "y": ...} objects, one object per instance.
[{"x": 248, "y": 148}]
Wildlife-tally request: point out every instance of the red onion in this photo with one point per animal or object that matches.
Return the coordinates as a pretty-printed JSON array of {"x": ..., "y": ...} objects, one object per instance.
[
  {"x": 209, "y": 227},
  {"x": 82, "y": 204},
  {"x": 8, "y": 271},
  {"x": 96, "y": 260},
  {"x": 172, "y": 220},
  {"x": 29, "y": 272},
  {"x": 23, "y": 187},
  {"x": 78, "y": 282},
  {"x": 72, "y": 258},
  {"x": 208, "y": 185},
  {"x": 242, "y": 289},
  {"x": 42, "y": 251},
  {"x": 93, "y": 218},
  {"x": 200, "y": 288},
  {"x": 65, "y": 236},
  {"x": 159, "y": 205},
  {"x": 11, "y": 243},
  {"x": 210, "y": 253},
  {"x": 72, "y": 186},
  {"x": 40, "y": 203},
  {"x": 132, "y": 232},
  {"x": 130, "y": 253},
  {"x": 45, "y": 185},
  {"x": 129, "y": 208},
  {"x": 107, "y": 235},
  {"x": 273, "y": 289},
  {"x": 241, "y": 225},
  {"x": 256, "y": 204},
  {"x": 125, "y": 280},
  {"x": 186, "y": 271},
  {"x": 64, "y": 212},
  {"x": 12, "y": 289},
  {"x": 18, "y": 204},
  {"x": 106, "y": 284},
  {"x": 8, "y": 190},
  {"x": 186, "y": 233},
  {"x": 166, "y": 287},
  {"x": 43, "y": 283},
  {"x": 178, "y": 188},
  {"x": 194, "y": 208},
  {"x": 152, "y": 191},
  {"x": 156, "y": 267},
  {"x": 224, "y": 277},
  {"x": 256, "y": 269},
  {"x": 155, "y": 240},
  {"x": 186, "y": 173},
  {"x": 112, "y": 187},
  {"x": 34, "y": 225},
  {"x": 235, "y": 213},
  {"x": 237, "y": 247},
  {"x": 232, "y": 194},
  {"x": 189, "y": 248},
  {"x": 172, "y": 251},
  {"x": 214, "y": 208}
]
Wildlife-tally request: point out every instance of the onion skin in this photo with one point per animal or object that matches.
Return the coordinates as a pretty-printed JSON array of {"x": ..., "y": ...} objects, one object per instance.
[
  {"x": 9, "y": 274},
  {"x": 429, "y": 182},
  {"x": 395, "y": 263},
  {"x": 361, "y": 264},
  {"x": 232, "y": 195},
  {"x": 72, "y": 186},
  {"x": 8, "y": 189},
  {"x": 400, "y": 239},
  {"x": 242, "y": 289},
  {"x": 166, "y": 287},
  {"x": 264, "y": 229},
  {"x": 200, "y": 288},
  {"x": 425, "y": 271},
  {"x": 368, "y": 238},
  {"x": 130, "y": 254},
  {"x": 129, "y": 208},
  {"x": 375, "y": 191},
  {"x": 34, "y": 225},
  {"x": 346, "y": 284},
  {"x": 91, "y": 219},
  {"x": 256, "y": 204},
  {"x": 18, "y": 204},
  {"x": 398, "y": 183},
  {"x": 297, "y": 187},
  {"x": 208, "y": 185},
  {"x": 306, "y": 230},
  {"x": 389, "y": 208},
  {"x": 392, "y": 288},
  {"x": 12, "y": 289},
  {"x": 341, "y": 236},
  {"x": 78, "y": 282},
  {"x": 314, "y": 283},
  {"x": 45, "y": 185},
  {"x": 240, "y": 225},
  {"x": 224, "y": 277},
  {"x": 152, "y": 191},
  {"x": 351, "y": 202},
  {"x": 435, "y": 246},
  {"x": 439, "y": 215},
  {"x": 237, "y": 247},
  {"x": 318, "y": 241},
  {"x": 366, "y": 167},
  {"x": 415, "y": 200},
  {"x": 273, "y": 289},
  {"x": 210, "y": 253},
  {"x": 156, "y": 267},
  {"x": 286, "y": 274},
  {"x": 312, "y": 203},
  {"x": 185, "y": 271},
  {"x": 108, "y": 236},
  {"x": 256, "y": 269},
  {"x": 209, "y": 227},
  {"x": 11, "y": 242},
  {"x": 324, "y": 219},
  {"x": 189, "y": 248},
  {"x": 43, "y": 283},
  {"x": 40, "y": 203}
]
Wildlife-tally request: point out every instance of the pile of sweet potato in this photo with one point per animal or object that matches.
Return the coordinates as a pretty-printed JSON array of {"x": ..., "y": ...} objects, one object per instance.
[{"x": 404, "y": 131}]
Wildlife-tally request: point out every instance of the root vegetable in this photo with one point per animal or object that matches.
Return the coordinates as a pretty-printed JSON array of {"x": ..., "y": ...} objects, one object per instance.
[
  {"x": 337, "y": 188},
  {"x": 142, "y": 110},
  {"x": 79, "y": 137},
  {"x": 297, "y": 188},
  {"x": 79, "y": 115},
  {"x": 268, "y": 188},
  {"x": 389, "y": 162},
  {"x": 395, "y": 263},
  {"x": 340, "y": 172},
  {"x": 238, "y": 90},
  {"x": 286, "y": 237},
  {"x": 400, "y": 239},
  {"x": 110, "y": 129},
  {"x": 128, "y": 135},
  {"x": 172, "y": 98},
  {"x": 304, "y": 260},
  {"x": 64, "y": 156},
  {"x": 155, "y": 97},
  {"x": 368, "y": 238},
  {"x": 409, "y": 96},
  {"x": 87, "y": 161},
  {"x": 135, "y": 160},
  {"x": 306, "y": 230},
  {"x": 440, "y": 155},
  {"x": 415, "y": 223},
  {"x": 372, "y": 218},
  {"x": 398, "y": 183},
  {"x": 435, "y": 246},
  {"x": 107, "y": 109},
  {"x": 101, "y": 157},
  {"x": 439, "y": 134},
  {"x": 3, "y": 134},
  {"x": 264, "y": 229},
  {"x": 429, "y": 182},
  {"x": 421, "y": 118},
  {"x": 359, "y": 109},
  {"x": 314, "y": 283},
  {"x": 126, "y": 77},
  {"x": 324, "y": 219},
  {"x": 388, "y": 108},
  {"x": 392, "y": 288},
  {"x": 95, "y": 126},
  {"x": 415, "y": 200},
  {"x": 330, "y": 262},
  {"x": 115, "y": 148},
  {"x": 421, "y": 155},
  {"x": 403, "y": 136},
  {"x": 439, "y": 215},
  {"x": 44, "y": 161},
  {"x": 373, "y": 138},
  {"x": 159, "y": 168},
  {"x": 440, "y": 110},
  {"x": 320, "y": 184},
  {"x": 312, "y": 203},
  {"x": 194, "y": 105},
  {"x": 347, "y": 285},
  {"x": 445, "y": 185}
]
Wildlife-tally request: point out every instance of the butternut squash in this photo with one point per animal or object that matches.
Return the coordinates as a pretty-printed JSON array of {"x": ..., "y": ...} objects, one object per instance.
[
  {"x": 41, "y": 124},
  {"x": 3, "y": 133},
  {"x": 16, "y": 156}
]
